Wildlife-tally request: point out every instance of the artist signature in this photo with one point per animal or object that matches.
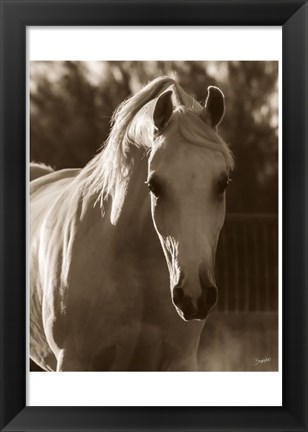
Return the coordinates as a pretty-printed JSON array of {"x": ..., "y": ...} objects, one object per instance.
[{"x": 262, "y": 361}]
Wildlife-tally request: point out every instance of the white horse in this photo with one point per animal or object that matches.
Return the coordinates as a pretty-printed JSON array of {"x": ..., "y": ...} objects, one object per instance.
[
  {"x": 38, "y": 170},
  {"x": 123, "y": 279}
]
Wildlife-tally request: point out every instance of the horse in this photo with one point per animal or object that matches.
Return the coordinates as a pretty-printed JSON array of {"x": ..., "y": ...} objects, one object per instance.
[
  {"x": 39, "y": 169},
  {"x": 122, "y": 251}
]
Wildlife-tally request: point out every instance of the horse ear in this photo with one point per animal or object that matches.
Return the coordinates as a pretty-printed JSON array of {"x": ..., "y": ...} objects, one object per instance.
[
  {"x": 163, "y": 110},
  {"x": 214, "y": 109}
]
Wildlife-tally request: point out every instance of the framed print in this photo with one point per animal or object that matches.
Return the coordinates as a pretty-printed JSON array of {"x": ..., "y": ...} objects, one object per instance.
[{"x": 120, "y": 308}]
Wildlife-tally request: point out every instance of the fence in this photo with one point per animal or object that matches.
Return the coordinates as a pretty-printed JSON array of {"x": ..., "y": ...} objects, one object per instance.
[{"x": 247, "y": 263}]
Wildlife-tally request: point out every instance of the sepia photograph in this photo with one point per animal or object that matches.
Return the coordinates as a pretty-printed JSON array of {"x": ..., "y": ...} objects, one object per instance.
[{"x": 153, "y": 215}]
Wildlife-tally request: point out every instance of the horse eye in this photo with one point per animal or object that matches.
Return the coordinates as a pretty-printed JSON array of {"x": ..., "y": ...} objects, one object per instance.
[
  {"x": 223, "y": 184},
  {"x": 154, "y": 187}
]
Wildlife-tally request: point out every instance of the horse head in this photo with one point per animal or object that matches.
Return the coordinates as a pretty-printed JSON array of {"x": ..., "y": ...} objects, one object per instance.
[{"x": 188, "y": 174}]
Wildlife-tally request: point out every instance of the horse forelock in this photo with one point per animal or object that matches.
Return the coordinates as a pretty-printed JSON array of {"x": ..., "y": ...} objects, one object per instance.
[{"x": 196, "y": 132}]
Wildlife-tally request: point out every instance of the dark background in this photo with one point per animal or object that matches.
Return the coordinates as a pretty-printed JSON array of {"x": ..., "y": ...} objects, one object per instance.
[{"x": 71, "y": 107}]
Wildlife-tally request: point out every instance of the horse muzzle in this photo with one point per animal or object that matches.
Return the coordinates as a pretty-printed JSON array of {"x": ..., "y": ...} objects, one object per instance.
[{"x": 195, "y": 308}]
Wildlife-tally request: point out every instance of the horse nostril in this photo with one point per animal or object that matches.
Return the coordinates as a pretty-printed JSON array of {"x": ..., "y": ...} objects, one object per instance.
[
  {"x": 212, "y": 296},
  {"x": 178, "y": 296},
  {"x": 208, "y": 299},
  {"x": 184, "y": 304},
  {"x": 209, "y": 295}
]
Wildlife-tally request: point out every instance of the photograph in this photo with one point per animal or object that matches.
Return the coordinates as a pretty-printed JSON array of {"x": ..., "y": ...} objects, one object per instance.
[{"x": 154, "y": 216}]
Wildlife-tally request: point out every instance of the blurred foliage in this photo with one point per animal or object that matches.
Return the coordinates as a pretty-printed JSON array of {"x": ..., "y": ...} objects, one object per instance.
[{"x": 72, "y": 103}]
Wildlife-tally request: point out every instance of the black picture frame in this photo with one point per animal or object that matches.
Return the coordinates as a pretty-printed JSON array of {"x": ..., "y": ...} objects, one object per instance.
[{"x": 16, "y": 15}]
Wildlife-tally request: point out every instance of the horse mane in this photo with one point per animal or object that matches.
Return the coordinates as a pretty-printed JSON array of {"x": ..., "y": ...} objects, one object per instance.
[{"x": 108, "y": 173}]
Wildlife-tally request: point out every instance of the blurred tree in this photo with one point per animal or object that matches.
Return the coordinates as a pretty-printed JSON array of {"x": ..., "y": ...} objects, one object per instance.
[
  {"x": 250, "y": 127},
  {"x": 71, "y": 111},
  {"x": 64, "y": 121}
]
